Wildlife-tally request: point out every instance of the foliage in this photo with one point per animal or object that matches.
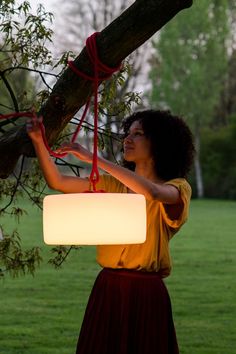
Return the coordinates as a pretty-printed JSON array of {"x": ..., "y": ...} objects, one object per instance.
[
  {"x": 227, "y": 104},
  {"x": 219, "y": 161},
  {"x": 60, "y": 253},
  {"x": 24, "y": 35},
  {"x": 14, "y": 260}
]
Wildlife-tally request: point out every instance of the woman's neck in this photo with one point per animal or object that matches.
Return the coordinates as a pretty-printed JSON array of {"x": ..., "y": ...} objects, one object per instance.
[{"x": 147, "y": 170}]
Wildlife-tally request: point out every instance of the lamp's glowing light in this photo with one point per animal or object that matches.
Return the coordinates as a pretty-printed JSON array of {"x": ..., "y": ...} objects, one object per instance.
[{"x": 94, "y": 219}]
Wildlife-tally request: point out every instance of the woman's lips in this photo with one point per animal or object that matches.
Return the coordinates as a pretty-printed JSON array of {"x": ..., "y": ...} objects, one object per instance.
[{"x": 128, "y": 148}]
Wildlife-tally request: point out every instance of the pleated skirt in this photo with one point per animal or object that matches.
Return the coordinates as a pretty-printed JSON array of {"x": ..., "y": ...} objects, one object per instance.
[{"x": 128, "y": 312}]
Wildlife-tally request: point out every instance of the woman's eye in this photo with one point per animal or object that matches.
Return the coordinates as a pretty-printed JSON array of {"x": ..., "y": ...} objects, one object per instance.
[{"x": 133, "y": 134}]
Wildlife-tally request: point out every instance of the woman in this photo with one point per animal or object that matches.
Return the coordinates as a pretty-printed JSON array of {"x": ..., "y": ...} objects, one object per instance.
[{"x": 129, "y": 309}]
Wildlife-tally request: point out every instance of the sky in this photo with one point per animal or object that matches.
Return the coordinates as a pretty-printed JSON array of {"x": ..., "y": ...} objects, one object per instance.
[{"x": 48, "y": 4}]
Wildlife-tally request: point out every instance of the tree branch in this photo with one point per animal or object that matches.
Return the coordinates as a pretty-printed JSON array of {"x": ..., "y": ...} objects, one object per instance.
[{"x": 10, "y": 90}]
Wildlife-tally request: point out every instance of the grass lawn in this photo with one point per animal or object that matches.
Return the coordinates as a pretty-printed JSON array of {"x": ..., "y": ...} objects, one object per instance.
[{"x": 43, "y": 314}]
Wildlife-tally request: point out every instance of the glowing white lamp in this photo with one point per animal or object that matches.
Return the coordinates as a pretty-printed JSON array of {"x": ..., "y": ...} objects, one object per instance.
[{"x": 94, "y": 219}]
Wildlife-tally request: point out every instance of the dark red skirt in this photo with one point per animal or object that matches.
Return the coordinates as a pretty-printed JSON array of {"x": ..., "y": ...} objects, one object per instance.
[{"x": 128, "y": 312}]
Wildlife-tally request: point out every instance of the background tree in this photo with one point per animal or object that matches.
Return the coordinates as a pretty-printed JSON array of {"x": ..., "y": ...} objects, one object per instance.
[
  {"x": 227, "y": 105},
  {"x": 189, "y": 68},
  {"x": 218, "y": 153},
  {"x": 218, "y": 158}
]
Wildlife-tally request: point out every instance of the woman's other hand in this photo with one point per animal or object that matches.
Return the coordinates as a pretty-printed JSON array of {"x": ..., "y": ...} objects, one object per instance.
[{"x": 77, "y": 150}]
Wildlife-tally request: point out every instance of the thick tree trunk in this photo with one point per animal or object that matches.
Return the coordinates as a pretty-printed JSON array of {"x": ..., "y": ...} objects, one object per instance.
[{"x": 119, "y": 39}]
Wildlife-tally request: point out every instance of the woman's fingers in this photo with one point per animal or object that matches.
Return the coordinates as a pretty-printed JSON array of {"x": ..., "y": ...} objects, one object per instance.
[
  {"x": 34, "y": 122},
  {"x": 29, "y": 125},
  {"x": 33, "y": 127},
  {"x": 76, "y": 149}
]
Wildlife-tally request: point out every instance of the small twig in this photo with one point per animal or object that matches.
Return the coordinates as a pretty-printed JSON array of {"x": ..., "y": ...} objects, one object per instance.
[
  {"x": 8, "y": 86},
  {"x": 16, "y": 185}
]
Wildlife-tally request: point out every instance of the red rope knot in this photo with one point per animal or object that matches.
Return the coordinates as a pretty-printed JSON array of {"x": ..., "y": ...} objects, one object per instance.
[{"x": 98, "y": 66}]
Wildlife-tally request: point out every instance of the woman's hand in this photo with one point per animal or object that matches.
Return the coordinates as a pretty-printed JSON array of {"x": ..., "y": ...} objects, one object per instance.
[
  {"x": 76, "y": 150},
  {"x": 33, "y": 128}
]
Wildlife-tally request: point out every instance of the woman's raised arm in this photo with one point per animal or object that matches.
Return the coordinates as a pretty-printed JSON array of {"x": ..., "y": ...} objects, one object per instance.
[
  {"x": 138, "y": 184},
  {"x": 53, "y": 177}
]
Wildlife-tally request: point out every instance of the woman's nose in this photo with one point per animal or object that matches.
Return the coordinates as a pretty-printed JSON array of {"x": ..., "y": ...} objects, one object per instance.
[{"x": 128, "y": 138}]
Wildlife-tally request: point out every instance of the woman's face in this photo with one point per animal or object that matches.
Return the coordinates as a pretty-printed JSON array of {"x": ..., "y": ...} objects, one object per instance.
[{"x": 137, "y": 146}]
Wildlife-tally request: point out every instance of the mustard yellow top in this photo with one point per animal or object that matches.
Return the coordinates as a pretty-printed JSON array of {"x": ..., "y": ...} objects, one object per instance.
[{"x": 153, "y": 254}]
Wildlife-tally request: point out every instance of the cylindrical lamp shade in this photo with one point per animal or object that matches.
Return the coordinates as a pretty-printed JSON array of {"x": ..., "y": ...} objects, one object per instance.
[{"x": 94, "y": 219}]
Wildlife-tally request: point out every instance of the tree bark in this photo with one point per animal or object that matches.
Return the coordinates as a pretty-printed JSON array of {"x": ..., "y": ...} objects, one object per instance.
[{"x": 119, "y": 39}]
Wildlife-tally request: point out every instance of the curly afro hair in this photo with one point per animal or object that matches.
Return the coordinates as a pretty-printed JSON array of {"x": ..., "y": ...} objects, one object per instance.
[{"x": 171, "y": 142}]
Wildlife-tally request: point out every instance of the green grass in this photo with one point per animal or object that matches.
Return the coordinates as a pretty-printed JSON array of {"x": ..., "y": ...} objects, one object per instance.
[
  {"x": 202, "y": 284},
  {"x": 43, "y": 314}
]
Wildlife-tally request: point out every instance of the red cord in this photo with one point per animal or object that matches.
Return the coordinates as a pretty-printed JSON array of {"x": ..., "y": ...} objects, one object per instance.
[
  {"x": 99, "y": 68},
  {"x": 16, "y": 115}
]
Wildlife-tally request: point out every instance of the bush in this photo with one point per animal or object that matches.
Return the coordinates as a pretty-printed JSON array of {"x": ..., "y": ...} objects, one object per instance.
[{"x": 218, "y": 158}]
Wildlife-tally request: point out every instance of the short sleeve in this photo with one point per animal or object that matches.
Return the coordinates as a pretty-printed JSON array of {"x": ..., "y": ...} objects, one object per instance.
[
  {"x": 109, "y": 184},
  {"x": 185, "y": 196}
]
